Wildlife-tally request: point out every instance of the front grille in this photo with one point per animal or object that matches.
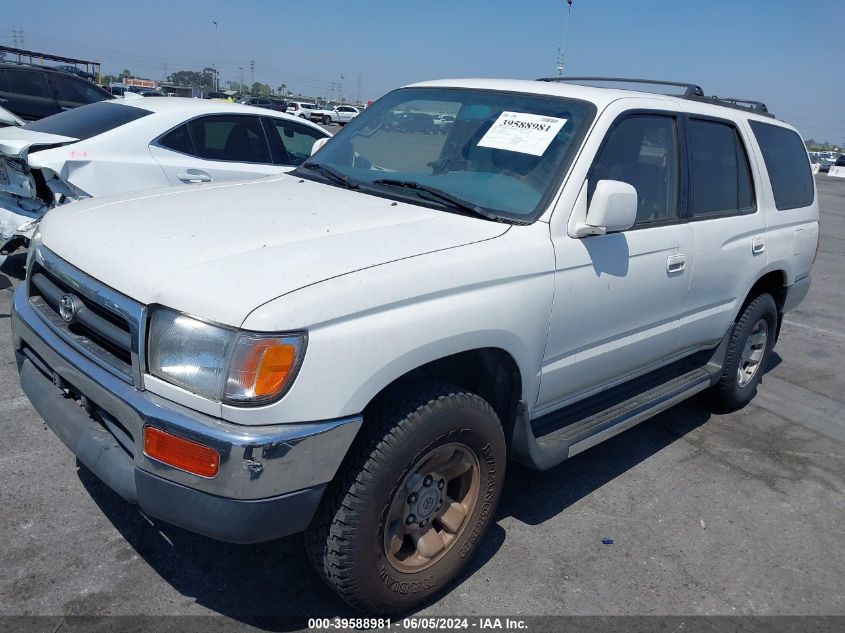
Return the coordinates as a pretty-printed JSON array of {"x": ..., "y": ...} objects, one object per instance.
[{"x": 105, "y": 326}]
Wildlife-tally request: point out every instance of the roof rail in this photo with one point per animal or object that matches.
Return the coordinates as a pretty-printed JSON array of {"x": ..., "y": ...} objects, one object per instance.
[
  {"x": 690, "y": 90},
  {"x": 757, "y": 107},
  {"x": 693, "y": 92}
]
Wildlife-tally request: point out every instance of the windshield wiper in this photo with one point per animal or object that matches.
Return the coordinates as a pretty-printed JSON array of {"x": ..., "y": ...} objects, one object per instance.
[
  {"x": 433, "y": 193},
  {"x": 332, "y": 174}
]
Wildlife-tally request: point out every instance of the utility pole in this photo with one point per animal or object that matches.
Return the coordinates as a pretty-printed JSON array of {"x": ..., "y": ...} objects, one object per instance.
[
  {"x": 241, "y": 68},
  {"x": 216, "y": 55},
  {"x": 340, "y": 89},
  {"x": 251, "y": 73},
  {"x": 358, "y": 92}
]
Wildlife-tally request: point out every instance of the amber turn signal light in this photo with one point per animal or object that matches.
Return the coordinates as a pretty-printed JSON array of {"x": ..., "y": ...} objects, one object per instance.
[{"x": 192, "y": 457}]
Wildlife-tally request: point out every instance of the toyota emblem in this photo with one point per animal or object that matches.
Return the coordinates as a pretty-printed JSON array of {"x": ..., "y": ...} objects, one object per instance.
[{"x": 68, "y": 308}]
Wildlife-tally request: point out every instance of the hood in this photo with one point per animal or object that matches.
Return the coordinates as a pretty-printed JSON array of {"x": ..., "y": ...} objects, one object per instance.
[
  {"x": 219, "y": 252},
  {"x": 17, "y": 141}
]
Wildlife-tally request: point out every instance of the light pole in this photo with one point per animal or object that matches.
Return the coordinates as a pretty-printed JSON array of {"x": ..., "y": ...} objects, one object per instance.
[{"x": 216, "y": 53}]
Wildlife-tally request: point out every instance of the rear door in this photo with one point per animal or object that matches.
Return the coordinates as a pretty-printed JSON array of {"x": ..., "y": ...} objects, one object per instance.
[
  {"x": 728, "y": 230},
  {"x": 214, "y": 148},
  {"x": 27, "y": 93}
]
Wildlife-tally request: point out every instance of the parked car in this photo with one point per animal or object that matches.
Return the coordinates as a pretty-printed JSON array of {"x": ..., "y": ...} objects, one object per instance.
[
  {"x": 128, "y": 145},
  {"x": 34, "y": 92},
  {"x": 414, "y": 123},
  {"x": 345, "y": 114},
  {"x": 444, "y": 122},
  {"x": 340, "y": 115},
  {"x": 150, "y": 92},
  {"x": 301, "y": 109},
  {"x": 75, "y": 70},
  {"x": 838, "y": 167},
  {"x": 355, "y": 348},
  {"x": 265, "y": 102}
]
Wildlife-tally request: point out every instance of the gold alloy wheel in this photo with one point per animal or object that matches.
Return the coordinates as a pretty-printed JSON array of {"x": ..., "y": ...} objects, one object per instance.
[{"x": 431, "y": 508}]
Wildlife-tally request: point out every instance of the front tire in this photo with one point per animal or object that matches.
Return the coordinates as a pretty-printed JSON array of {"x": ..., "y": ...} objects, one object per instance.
[
  {"x": 327, "y": 120},
  {"x": 412, "y": 500},
  {"x": 749, "y": 347}
]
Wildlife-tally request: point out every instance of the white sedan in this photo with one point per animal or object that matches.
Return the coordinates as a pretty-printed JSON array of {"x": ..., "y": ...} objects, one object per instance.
[{"x": 120, "y": 146}]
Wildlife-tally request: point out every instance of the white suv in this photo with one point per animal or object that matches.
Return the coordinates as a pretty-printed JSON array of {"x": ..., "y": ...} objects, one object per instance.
[
  {"x": 301, "y": 109},
  {"x": 360, "y": 355}
]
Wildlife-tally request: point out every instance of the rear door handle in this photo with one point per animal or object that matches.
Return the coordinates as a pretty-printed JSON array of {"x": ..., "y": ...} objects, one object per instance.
[
  {"x": 194, "y": 177},
  {"x": 676, "y": 264},
  {"x": 758, "y": 245}
]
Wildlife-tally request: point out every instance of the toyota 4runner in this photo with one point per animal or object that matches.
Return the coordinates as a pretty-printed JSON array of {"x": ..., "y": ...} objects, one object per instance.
[{"x": 360, "y": 352}]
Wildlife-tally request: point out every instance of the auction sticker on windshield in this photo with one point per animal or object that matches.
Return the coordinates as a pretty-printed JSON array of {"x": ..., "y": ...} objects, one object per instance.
[{"x": 522, "y": 132}]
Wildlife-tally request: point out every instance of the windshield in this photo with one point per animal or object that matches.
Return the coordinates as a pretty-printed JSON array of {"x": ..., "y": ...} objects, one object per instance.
[{"x": 502, "y": 152}]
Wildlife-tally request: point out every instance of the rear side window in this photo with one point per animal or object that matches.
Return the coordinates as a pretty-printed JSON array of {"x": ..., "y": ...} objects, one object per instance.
[
  {"x": 231, "y": 138},
  {"x": 721, "y": 177},
  {"x": 28, "y": 82},
  {"x": 78, "y": 90},
  {"x": 178, "y": 140},
  {"x": 789, "y": 171},
  {"x": 88, "y": 120}
]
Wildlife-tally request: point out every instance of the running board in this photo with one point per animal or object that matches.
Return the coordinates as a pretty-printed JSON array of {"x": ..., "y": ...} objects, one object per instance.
[{"x": 572, "y": 430}]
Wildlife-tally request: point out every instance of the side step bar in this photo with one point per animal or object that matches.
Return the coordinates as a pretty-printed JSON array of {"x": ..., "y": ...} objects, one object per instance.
[{"x": 573, "y": 434}]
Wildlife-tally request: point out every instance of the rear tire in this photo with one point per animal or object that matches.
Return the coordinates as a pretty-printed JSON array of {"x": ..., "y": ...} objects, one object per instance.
[
  {"x": 750, "y": 345},
  {"x": 412, "y": 500}
]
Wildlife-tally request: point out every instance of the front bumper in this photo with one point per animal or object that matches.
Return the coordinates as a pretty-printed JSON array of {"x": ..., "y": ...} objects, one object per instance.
[{"x": 271, "y": 478}]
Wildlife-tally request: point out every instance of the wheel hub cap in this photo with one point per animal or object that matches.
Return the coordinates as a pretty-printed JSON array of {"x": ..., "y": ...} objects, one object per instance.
[
  {"x": 431, "y": 507},
  {"x": 752, "y": 353}
]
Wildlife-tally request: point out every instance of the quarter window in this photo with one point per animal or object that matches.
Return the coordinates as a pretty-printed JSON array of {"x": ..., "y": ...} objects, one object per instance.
[
  {"x": 231, "y": 138},
  {"x": 721, "y": 177},
  {"x": 642, "y": 150},
  {"x": 178, "y": 140},
  {"x": 789, "y": 171}
]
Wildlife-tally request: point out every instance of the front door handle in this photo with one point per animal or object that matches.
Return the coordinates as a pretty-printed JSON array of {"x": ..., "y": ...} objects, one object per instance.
[
  {"x": 758, "y": 245},
  {"x": 194, "y": 177},
  {"x": 676, "y": 264}
]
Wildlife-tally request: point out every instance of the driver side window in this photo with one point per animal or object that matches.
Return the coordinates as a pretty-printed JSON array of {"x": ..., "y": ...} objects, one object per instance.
[{"x": 642, "y": 150}]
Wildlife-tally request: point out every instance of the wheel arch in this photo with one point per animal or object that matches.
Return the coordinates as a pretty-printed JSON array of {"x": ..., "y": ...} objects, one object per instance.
[
  {"x": 491, "y": 373},
  {"x": 773, "y": 282}
]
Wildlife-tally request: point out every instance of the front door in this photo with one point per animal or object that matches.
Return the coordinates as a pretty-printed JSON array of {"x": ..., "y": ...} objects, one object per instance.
[{"x": 618, "y": 297}]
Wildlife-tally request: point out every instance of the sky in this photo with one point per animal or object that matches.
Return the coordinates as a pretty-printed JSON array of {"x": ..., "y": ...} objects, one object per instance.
[{"x": 786, "y": 54}]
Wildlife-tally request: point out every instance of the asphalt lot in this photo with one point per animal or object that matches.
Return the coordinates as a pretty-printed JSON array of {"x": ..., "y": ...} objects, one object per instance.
[{"x": 710, "y": 514}]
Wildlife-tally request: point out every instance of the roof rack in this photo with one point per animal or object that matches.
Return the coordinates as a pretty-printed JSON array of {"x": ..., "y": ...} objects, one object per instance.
[
  {"x": 690, "y": 90},
  {"x": 693, "y": 92}
]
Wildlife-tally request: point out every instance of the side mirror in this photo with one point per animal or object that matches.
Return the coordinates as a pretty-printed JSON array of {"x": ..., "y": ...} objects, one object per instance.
[
  {"x": 318, "y": 144},
  {"x": 612, "y": 209}
]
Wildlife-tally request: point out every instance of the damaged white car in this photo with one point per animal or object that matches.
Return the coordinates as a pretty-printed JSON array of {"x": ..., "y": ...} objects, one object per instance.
[{"x": 118, "y": 146}]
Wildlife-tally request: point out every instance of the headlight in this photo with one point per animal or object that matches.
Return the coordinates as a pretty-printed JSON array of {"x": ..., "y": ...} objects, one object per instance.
[{"x": 219, "y": 363}]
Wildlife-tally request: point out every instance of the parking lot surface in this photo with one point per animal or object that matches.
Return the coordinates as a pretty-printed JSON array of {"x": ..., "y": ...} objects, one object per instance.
[{"x": 709, "y": 513}]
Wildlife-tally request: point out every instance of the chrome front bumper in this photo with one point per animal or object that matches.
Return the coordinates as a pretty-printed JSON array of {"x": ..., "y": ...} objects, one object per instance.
[{"x": 262, "y": 463}]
